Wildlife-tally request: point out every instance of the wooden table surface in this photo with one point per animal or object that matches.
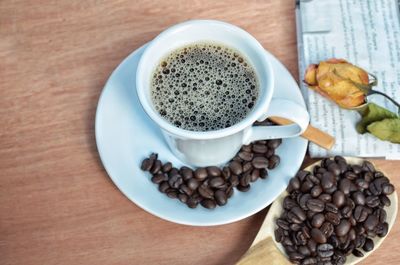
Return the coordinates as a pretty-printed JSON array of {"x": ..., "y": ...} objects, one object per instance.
[{"x": 57, "y": 204}]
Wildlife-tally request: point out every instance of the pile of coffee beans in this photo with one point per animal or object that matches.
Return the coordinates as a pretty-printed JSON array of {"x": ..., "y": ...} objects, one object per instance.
[
  {"x": 212, "y": 186},
  {"x": 333, "y": 212}
]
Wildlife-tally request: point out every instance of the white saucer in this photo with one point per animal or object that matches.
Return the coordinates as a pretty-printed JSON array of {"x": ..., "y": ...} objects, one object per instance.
[{"x": 125, "y": 136}]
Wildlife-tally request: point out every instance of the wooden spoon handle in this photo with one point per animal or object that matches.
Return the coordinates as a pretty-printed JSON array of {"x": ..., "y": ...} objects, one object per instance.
[
  {"x": 262, "y": 253},
  {"x": 312, "y": 134}
]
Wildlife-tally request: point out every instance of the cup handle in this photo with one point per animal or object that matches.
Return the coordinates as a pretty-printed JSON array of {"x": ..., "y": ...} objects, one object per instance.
[{"x": 281, "y": 108}]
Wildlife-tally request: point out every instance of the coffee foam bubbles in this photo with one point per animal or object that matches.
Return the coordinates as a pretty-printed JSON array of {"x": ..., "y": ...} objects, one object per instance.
[{"x": 203, "y": 87}]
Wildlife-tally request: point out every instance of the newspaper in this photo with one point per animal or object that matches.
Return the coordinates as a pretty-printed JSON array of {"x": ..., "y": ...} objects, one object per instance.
[{"x": 367, "y": 34}]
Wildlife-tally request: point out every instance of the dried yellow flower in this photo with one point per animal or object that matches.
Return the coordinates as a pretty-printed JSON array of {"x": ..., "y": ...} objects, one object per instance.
[{"x": 340, "y": 81}]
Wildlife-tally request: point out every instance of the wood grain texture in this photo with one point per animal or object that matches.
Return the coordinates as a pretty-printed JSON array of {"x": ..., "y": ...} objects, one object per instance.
[{"x": 57, "y": 204}]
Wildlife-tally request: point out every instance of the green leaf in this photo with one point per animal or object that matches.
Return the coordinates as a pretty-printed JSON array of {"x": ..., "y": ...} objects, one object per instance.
[
  {"x": 373, "y": 113},
  {"x": 386, "y": 129}
]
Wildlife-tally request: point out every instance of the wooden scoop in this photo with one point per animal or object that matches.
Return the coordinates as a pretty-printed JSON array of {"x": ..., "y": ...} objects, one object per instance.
[
  {"x": 265, "y": 250},
  {"x": 312, "y": 134}
]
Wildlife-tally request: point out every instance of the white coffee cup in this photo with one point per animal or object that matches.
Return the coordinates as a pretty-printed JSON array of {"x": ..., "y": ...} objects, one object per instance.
[{"x": 217, "y": 147}]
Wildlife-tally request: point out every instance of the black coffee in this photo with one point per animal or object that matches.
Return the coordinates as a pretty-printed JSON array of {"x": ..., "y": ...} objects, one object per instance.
[{"x": 204, "y": 86}]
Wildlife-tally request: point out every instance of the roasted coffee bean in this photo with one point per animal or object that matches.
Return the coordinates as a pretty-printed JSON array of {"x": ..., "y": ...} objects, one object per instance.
[
  {"x": 369, "y": 245},
  {"x": 344, "y": 186},
  {"x": 303, "y": 201},
  {"x": 325, "y": 197},
  {"x": 350, "y": 175},
  {"x": 244, "y": 180},
  {"x": 315, "y": 205},
  {"x": 325, "y": 250},
  {"x": 173, "y": 179},
  {"x": 368, "y": 176},
  {"x": 342, "y": 228},
  {"x": 229, "y": 191},
  {"x": 352, "y": 234},
  {"x": 193, "y": 183},
  {"x": 213, "y": 171},
  {"x": 328, "y": 180},
  {"x": 287, "y": 242},
  {"x": 360, "y": 214},
  {"x": 359, "y": 241},
  {"x": 185, "y": 189},
  {"x": 316, "y": 191},
  {"x": 372, "y": 201},
  {"x": 274, "y": 143},
  {"x": 296, "y": 215},
  {"x": 158, "y": 178},
  {"x": 260, "y": 148},
  {"x": 246, "y": 156},
  {"x": 301, "y": 175},
  {"x": 205, "y": 192},
  {"x": 208, "y": 203},
  {"x": 173, "y": 172},
  {"x": 375, "y": 188},
  {"x": 358, "y": 198},
  {"x": 295, "y": 227},
  {"x": 220, "y": 197},
  {"x": 282, "y": 224},
  {"x": 306, "y": 186},
  {"x": 235, "y": 167},
  {"x": 247, "y": 166},
  {"x": 163, "y": 186},
  {"x": 156, "y": 167},
  {"x": 183, "y": 197},
  {"x": 243, "y": 188},
  {"x": 304, "y": 250},
  {"x": 200, "y": 173},
  {"x": 146, "y": 164},
  {"x": 295, "y": 256},
  {"x": 334, "y": 168},
  {"x": 385, "y": 201},
  {"x": 216, "y": 182},
  {"x": 343, "y": 166},
  {"x": 172, "y": 193},
  {"x": 371, "y": 222},
  {"x": 357, "y": 253},
  {"x": 273, "y": 162},
  {"x": 246, "y": 148},
  {"x": 350, "y": 203},
  {"x": 339, "y": 259},
  {"x": 226, "y": 172},
  {"x": 330, "y": 207},
  {"x": 294, "y": 184},
  {"x": 318, "y": 220},
  {"x": 318, "y": 236},
  {"x": 362, "y": 184},
  {"x": 313, "y": 179},
  {"x": 278, "y": 235},
  {"x": 166, "y": 167},
  {"x": 387, "y": 188},
  {"x": 186, "y": 173},
  {"x": 382, "y": 229},
  {"x": 346, "y": 211},
  {"x": 334, "y": 218},
  {"x": 327, "y": 229},
  {"x": 289, "y": 203},
  {"x": 338, "y": 198},
  {"x": 381, "y": 214},
  {"x": 255, "y": 174},
  {"x": 368, "y": 166},
  {"x": 234, "y": 180},
  {"x": 260, "y": 162}
]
